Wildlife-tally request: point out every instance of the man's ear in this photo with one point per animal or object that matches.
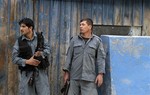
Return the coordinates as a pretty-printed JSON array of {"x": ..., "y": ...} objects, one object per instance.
[
  {"x": 31, "y": 28},
  {"x": 90, "y": 27}
]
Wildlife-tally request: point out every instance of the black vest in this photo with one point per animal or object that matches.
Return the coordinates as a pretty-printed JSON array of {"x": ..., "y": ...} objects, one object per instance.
[{"x": 25, "y": 52}]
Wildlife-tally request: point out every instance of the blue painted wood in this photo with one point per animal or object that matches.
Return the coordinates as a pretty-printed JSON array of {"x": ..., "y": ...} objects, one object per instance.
[{"x": 128, "y": 65}]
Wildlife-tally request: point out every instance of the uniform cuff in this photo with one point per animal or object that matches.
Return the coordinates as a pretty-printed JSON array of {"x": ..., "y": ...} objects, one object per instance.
[{"x": 23, "y": 63}]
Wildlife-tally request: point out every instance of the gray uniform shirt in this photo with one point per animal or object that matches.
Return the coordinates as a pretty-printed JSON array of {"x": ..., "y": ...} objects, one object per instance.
[
  {"x": 83, "y": 58},
  {"x": 33, "y": 44}
]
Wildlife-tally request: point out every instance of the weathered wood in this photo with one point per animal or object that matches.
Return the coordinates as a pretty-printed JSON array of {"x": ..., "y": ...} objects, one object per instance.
[
  {"x": 137, "y": 14},
  {"x": 59, "y": 21},
  {"x": 146, "y": 18},
  {"x": 127, "y": 13},
  {"x": 118, "y": 7}
]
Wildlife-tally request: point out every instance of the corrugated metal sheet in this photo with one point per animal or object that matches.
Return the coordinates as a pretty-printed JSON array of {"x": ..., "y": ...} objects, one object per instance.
[{"x": 59, "y": 20}]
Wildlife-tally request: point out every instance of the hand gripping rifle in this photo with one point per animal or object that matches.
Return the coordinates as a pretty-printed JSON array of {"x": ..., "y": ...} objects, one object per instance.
[
  {"x": 65, "y": 88},
  {"x": 44, "y": 60},
  {"x": 40, "y": 47}
]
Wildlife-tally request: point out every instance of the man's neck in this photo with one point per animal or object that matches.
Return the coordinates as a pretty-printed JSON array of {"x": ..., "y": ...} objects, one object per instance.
[
  {"x": 86, "y": 35},
  {"x": 30, "y": 35}
]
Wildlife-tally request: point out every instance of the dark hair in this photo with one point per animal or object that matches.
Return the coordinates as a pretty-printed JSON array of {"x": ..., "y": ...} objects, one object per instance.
[
  {"x": 28, "y": 22},
  {"x": 88, "y": 21}
]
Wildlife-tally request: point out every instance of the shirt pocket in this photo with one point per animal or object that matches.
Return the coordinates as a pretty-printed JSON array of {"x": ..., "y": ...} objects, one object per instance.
[
  {"x": 77, "y": 48},
  {"x": 92, "y": 49}
]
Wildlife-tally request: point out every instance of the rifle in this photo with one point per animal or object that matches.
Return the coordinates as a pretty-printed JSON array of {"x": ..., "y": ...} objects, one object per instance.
[
  {"x": 65, "y": 88},
  {"x": 40, "y": 47}
]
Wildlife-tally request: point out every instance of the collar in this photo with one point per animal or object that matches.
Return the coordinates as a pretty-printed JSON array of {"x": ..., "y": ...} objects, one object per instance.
[
  {"x": 89, "y": 38},
  {"x": 25, "y": 38}
]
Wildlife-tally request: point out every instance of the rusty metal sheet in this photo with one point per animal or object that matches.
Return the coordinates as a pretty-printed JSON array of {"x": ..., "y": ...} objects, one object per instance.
[
  {"x": 3, "y": 75},
  {"x": 59, "y": 20}
]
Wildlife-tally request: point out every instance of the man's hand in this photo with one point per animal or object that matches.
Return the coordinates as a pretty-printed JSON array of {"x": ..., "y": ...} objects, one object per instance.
[
  {"x": 66, "y": 76},
  {"x": 33, "y": 61},
  {"x": 38, "y": 53},
  {"x": 99, "y": 80}
]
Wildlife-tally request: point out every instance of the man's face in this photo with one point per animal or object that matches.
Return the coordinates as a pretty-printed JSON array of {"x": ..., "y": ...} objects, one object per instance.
[
  {"x": 24, "y": 29},
  {"x": 84, "y": 27}
]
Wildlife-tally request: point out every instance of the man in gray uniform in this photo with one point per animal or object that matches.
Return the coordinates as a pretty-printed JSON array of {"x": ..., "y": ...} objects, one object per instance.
[
  {"x": 31, "y": 60},
  {"x": 85, "y": 54}
]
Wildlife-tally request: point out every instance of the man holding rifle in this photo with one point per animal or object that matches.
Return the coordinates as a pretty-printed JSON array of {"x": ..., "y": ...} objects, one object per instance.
[{"x": 30, "y": 53}]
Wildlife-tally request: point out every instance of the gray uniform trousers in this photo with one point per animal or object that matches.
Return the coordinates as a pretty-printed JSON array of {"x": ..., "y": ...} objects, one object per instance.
[
  {"x": 40, "y": 85},
  {"x": 84, "y": 87}
]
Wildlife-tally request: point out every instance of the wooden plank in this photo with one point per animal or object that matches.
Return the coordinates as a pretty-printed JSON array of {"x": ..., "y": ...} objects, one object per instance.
[
  {"x": 12, "y": 70},
  {"x": 137, "y": 13},
  {"x": 108, "y": 12},
  {"x": 127, "y": 13},
  {"x": 3, "y": 75},
  {"x": 4, "y": 48},
  {"x": 86, "y": 9},
  {"x": 55, "y": 44},
  {"x": 74, "y": 19},
  {"x": 146, "y": 17},
  {"x": 118, "y": 19},
  {"x": 97, "y": 12}
]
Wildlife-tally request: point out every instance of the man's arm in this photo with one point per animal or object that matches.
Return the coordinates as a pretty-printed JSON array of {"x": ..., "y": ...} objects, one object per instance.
[
  {"x": 67, "y": 67},
  {"x": 69, "y": 57},
  {"x": 20, "y": 61},
  {"x": 46, "y": 50},
  {"x": 101, "y": 55},
  {"x": 15, "y": 52},
  {"x": 68, "y": 63}
]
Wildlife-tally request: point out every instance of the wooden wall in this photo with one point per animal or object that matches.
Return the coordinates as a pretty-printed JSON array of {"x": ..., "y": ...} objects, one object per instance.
[{"x": 59, "y": 20}]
